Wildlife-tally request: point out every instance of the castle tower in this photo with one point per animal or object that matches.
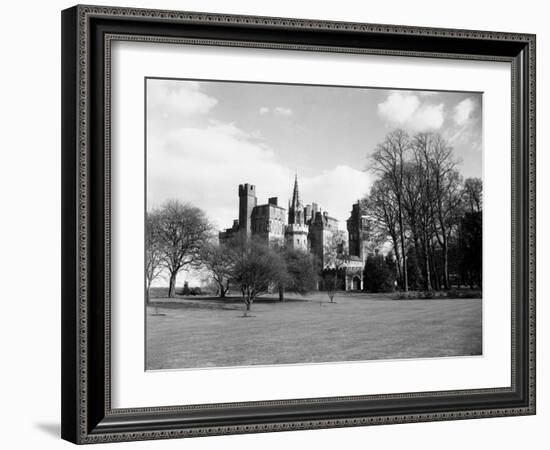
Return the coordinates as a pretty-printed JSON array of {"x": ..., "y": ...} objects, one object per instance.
[
  {"x": 247, "y": 202},
  {"x": 296, "y": 234},
  {"x": 357, "y": 233}
]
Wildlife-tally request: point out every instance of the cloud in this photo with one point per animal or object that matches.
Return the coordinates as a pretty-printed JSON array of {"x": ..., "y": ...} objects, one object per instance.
[
  {"x": 282, "y": 111},
  {"x": 336, "y": 190},
  {"x": 463, "y": 111},
  {"x": 465, "y": 129},
  {"x": 204, "y": 166},
  {"x": 277, "y": 111},
  {"x": 166, "y": 99},
  {"x": 406, "y": 110}
]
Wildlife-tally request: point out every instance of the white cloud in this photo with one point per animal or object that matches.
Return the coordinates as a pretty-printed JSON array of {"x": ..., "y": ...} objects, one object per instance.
[
  {"x": 283, "y": 111},
  {"x": 169, "y": 99},
  {"x": 405, "y": 110},
  {"x": 204, "y": 166},
  {"x": 336, "y": 190},
  {"x": 277, "y": 111},
  {"x": 463, "y": 111}
]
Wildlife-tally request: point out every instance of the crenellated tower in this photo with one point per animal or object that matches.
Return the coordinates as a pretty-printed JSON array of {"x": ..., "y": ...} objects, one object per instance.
[
  {"x": 247, "y": 202},
  {"x": 357, "y": 226}
]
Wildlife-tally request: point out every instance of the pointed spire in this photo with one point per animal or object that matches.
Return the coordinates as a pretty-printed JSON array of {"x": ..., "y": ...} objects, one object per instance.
[{"x": 296, "y": 194}]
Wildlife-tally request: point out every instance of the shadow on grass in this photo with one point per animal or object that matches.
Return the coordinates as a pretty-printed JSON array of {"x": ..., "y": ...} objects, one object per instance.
[{"x": 230, "y": 303}]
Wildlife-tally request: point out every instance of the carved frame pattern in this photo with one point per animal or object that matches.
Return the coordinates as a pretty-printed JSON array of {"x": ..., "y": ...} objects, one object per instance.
[{"x": 76, "y": 425}]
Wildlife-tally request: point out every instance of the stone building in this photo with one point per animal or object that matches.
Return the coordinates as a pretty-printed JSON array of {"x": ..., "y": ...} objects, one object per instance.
[{"x": 308, "y": 228}]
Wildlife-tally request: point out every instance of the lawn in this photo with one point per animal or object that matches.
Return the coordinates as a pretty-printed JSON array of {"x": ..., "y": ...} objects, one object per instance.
[{"x": 209, "y": 332}]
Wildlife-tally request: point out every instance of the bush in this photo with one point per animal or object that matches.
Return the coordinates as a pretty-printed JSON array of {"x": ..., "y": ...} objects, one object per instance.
[
  {"x": 379, "y": 276},
  {"x": 427, "y": 295},
  {"x": 186, "y": 290}
]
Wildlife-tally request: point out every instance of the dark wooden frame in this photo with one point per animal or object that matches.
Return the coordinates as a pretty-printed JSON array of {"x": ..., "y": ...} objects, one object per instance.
[{"x": 87, "y": 32}]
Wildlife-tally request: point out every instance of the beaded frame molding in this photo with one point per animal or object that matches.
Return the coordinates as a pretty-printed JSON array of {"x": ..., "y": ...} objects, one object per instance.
[{"x": 87, "y": 35}]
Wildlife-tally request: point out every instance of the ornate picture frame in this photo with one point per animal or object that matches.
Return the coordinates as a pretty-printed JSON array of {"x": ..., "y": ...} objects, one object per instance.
[{"x": 88, "y": 33}]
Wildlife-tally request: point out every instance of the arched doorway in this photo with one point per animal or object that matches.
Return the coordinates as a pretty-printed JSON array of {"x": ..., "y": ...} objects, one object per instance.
[{"x": 356, "y": 284}]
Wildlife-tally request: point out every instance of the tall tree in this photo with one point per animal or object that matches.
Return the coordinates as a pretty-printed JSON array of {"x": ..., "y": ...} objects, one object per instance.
[
  {"x": 447, "y": 197},
  {"x": 422, "y": 148},
  {"x": 470, "y": 233},
  {"x": 473, "y": 195},
  {"x": 183, "y": 231},
  {"x": 381, "y": 209},
  {"x": 388, "y": 160}
]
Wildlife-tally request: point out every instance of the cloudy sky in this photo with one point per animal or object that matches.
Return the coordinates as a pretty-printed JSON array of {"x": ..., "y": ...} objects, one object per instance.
[{"x": 205, "y": 138}]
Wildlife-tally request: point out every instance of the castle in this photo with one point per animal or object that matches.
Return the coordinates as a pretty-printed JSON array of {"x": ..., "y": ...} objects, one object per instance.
[{"x": 306, "y": 228}]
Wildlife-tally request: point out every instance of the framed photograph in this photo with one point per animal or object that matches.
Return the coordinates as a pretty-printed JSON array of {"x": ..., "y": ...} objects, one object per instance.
[{"x": 278, "y": 224}]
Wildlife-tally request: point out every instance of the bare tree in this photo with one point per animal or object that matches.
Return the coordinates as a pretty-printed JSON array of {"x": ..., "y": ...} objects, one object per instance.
[
  {"x": 381, "y": 210},
  {"x": 388, "y": 160},
  {"x": 424, "y": 192},
  {"x": 417, "y": 203},
  {"x": 447, "y": 197},
  {"x": 473, "y": 195},
  {"x": 183, "y": 230},
  {"x": 153, "y": 251},
  {"x": 219, "y": 260}
]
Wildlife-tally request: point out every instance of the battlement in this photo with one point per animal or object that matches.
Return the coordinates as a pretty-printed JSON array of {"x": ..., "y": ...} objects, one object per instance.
[
  {"x": 247, "y": 189},
  {"x": 297, "y": 228}
]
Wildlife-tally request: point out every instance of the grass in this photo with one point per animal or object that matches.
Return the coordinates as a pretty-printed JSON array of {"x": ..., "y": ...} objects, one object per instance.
[{"x": 212, "y": 332}]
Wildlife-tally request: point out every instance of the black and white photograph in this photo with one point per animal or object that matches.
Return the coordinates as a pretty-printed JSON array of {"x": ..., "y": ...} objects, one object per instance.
[{"x": 299, "y": 224}]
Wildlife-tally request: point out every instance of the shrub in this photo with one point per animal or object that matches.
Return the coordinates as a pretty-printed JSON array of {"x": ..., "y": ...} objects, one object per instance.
[
  {"x": 186, "y": 290},
  {"x": 379, "y": 277}
]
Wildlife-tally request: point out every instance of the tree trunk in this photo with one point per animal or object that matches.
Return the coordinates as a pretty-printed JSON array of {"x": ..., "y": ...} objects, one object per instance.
[
  {"x": 247, "y": 303},
  {"x": 428, "y": 274},
  {"x": 281, "y": 293},
  {"x": 445, "y": 266},
  {"x": 402, "y": 236},
  {"x": 172, "y": 286},
  {"x": 398, "y": 266},
  {"x": 418, "y": 254},
  {"x": 435, "y": 271},
  {"x": 223, "y": 290}
]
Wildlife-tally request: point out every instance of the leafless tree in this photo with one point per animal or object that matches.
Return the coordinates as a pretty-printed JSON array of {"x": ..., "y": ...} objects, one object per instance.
[
  {"x": 422, "y": 188},
  {"x": 381, "y": 210},
  {"x": 417, "y": 203},
  {"x": 388, "y": 160},
  {"x": 473, "y": 195},
  {"x": 447, "y": 197},
  {"x": 183, "y": 231}
]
